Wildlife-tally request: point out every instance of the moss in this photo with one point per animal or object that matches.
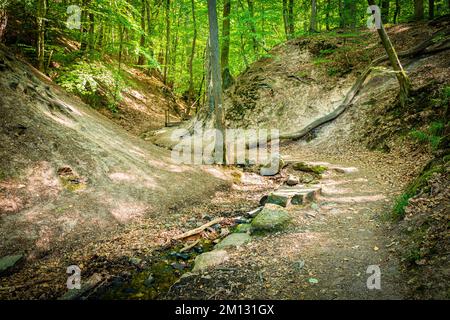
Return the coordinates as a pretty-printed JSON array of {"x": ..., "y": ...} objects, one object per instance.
[
  {"x": 72, "y": 183},
  {"x": 301, "y": 166}
]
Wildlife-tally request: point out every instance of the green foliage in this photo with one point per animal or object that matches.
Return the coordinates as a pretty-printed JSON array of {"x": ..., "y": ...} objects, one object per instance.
[
  {"x": 94, "y": 82},
  {"x": 398, "y": 211},
  {"x": 433, "y": 135}
]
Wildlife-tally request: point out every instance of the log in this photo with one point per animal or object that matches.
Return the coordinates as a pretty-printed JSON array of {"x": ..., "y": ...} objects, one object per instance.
[{"x": 199, "y": 229}]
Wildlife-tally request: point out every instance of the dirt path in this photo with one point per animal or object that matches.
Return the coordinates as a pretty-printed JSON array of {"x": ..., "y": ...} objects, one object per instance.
[{"x": 325, "y": 253}]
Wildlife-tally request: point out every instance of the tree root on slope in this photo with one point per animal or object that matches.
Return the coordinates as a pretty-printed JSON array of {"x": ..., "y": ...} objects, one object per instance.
[{"x": 419, "y": 50}]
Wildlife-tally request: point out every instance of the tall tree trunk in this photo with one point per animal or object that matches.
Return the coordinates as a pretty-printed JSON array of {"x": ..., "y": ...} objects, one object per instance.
[
  {"x": 285, "y": 19},
  {"x": 385, "y": 11},
  {"x": 402, "y": 78},
  {"x": 227, "y": 79},
  {"x": 40, "y": 43},
  {"x": 91, "y": 37},
  {"x": 141, "y": 59},
  {"x": 397, "y": 10},
  {"x": 191, "y": 59},
  {"x": 312, "y": 21},
  {"x": 251, "y": 11},
  {"x": 431, "y": 9},
  {"x": 166, "y": 59},
  {"x": 216, "y": 83},
  {"x": 291, "y": 26},
  {"x": 418, "y": 10},
  {"x": 341, "y": 14},
  {"x": 327, "y": 15}
]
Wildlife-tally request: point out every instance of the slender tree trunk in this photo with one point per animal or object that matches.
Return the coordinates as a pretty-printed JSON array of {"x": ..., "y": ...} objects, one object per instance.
[
  {"x": 191, "y": 59},
  {"x": 251, "y": 11},
  {"x": 431, "y": 9},
  {"x": 141, "y": 59},
  {"x": 327, "y": 15},
  {"x": 91, "y": 34},
  {"x": 341, "y": 14},
  {"x": 216, "y": 83},
  {"x": 40, "y": 43},
  {"x": 418, "y": 10},
  {"x": 285, "y": 19},
  {"x": 312, "y": 21},
  {"x": 166, "y": 59},
  {"x": 385, "y": 11},
  {"x": 291, "y": 27},
  {"x": 402, "y": 78},
  {"x": 397, "y": 10},
  {"x": 227, "y": 79}
]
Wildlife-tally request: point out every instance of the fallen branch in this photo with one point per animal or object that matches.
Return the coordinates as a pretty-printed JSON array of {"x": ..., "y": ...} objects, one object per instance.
[{"x": 199, "y": 229}]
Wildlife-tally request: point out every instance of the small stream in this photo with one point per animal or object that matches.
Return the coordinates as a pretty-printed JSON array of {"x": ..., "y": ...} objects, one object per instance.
[{"x": 162, "y": 270}]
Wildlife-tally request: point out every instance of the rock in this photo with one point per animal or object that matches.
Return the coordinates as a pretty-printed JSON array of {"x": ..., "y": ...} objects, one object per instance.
[
  {"x": 178, "y": 266},
  {"x": 272, "y": 217},
  {"x": 233, "y": 240},
  {"x": 8, "y": 262},
  {"x": 301, "y": 166},
  {"x": 306, "y": 177},
  {"x": 243, "y": 228},
  {"x": 273, "y": 166},
  {"x": 281, "y": 199},
  {"x": 210, "y": 259},
  {"x": 292, "y": 180},
  {"x": 149, "y": 281}
]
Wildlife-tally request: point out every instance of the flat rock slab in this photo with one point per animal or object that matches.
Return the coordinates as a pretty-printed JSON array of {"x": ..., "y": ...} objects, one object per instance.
[
  {"x": 8, "y": 262},
  {"x": 210, "y": 259},
  {"x": 272, "y": 217},
  {"x": 234, "y": 240},
  {"x": 294, "y": 195}
]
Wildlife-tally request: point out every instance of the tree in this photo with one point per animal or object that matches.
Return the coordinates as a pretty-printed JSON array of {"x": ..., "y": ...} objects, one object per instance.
[
  {"x": 418, "y": 10},
  {"x": 397, "y": 10},
  {"x": 385, "y": 11},
  {"x": 402, "y": 78},
  {"x": 167, "y": 50},
  {"x": 312, "y": 21},
  {"x": 288, "y": 18},
  {"x": 40, "y": 43},
  {"x": 191, "y": 59},
  {"x": 227, "y": 79},
  {"x": 141, "y": 60},
  {"x": 430, "y": 9},
  {"x": 216, "y": 83}
]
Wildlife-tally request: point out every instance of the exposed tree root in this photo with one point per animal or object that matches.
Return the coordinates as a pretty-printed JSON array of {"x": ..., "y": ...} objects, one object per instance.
[{"x": 421, "y": 49}]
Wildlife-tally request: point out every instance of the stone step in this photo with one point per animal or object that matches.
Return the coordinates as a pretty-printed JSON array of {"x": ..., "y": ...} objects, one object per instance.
[{"x": 295, "y": 195}]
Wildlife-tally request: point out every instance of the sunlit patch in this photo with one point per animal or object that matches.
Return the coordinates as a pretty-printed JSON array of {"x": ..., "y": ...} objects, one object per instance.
[
  {"x": 357, "y": 199},
  {"x": 126, "y": 211},
  {"x": 126, "y": 177}
]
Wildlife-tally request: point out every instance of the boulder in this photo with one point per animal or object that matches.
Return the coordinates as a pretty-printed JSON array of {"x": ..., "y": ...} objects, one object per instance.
[
  {"x": 209, "y": 260},
  {"x": 272, "y": 217},
  {"x": 233, "y": 240}
]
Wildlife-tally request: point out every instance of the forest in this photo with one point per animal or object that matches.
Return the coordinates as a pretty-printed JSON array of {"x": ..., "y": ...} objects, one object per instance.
[{"x": 224, "y": 150}]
